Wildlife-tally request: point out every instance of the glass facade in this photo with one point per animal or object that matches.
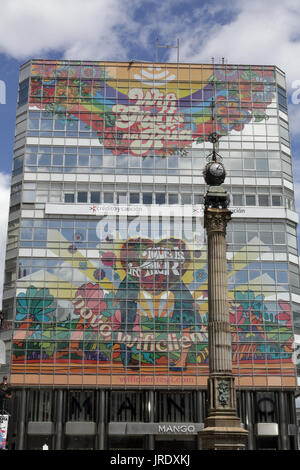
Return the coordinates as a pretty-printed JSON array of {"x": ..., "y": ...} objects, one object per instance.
[{"x": 106, "y": 269}]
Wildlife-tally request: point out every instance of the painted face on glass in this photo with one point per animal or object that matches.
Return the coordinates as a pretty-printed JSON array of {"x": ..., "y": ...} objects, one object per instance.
[{"x": 156, "y": 265}]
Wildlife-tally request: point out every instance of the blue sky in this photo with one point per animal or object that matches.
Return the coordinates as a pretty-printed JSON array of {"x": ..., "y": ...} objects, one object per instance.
[{"x": 240, "y": 31}]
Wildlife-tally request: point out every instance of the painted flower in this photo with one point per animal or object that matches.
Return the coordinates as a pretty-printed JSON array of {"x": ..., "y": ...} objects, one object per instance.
[
  {"x": 227, "y": 72},
  {"x": 88, "y": 72},
  {"x": 200, "y": 275},
  {"x": 99, "y": 274},
  {"x": 35, "y": 304},
  {"x": 79, "y": 236},
  {"x": 250, "y": 307},
  {"x": 285, "y": 316},
  {"x": 92, "y": 305},
  {"x": 72, "y": 249},
  {"x": 108, "y": 258}
]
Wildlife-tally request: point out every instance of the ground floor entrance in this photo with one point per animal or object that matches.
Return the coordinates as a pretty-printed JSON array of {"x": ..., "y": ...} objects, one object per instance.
[{"x": 98, "y": 419}]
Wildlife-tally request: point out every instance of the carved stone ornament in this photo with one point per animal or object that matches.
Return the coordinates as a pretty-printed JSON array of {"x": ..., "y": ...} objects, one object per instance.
[
  {"x": 223, "y": 392},
  {"x": 216, "y": 220}
]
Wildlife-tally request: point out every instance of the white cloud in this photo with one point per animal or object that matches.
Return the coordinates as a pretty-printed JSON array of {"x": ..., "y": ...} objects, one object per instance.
[
  {"x": 81, "y": 29},
  {"x": 257, "y": 33},
  {"x": 4, "y": 203}
]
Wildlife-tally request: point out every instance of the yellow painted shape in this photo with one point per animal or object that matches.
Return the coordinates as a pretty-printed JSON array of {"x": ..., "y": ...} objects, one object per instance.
[
  {"x": 45, "y": 280},
  {"x": 58, "y": 244}
]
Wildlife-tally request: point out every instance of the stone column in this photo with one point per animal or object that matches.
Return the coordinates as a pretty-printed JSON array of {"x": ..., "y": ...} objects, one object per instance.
[
  {"x": 222, "y": 429},
  {"x": 59, "y": 419},
  {"x": 22, "y": 421}
]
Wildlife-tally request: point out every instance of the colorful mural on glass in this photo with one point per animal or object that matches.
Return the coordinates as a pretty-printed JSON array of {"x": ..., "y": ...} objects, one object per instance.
[
  {"x": 133, "y": 310},
  {"x": 141, "y": 308},
  {"x": 147, "y": 112}
]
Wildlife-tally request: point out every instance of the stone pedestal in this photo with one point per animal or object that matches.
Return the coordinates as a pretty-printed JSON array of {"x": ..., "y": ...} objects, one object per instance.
[{"x": 222, "y": 427}]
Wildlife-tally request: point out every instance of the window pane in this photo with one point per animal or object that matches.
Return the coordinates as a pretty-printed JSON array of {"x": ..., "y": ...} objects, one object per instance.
[
  {"x": 250, "y": 200},
  {"x": 82, "y": 196},
  {"x": 173, "y": 198},
  {"x": 186, "y": 199},
  {"x": 108, "y": 197},
  {"x": 266, "y": 237},
  {"x": 96, "y": 160},
  {"x": 70, "y": 160},
  {"x": 276, "y": 201},
  {"x": 95, "y": 197},
  {"x": 44, "y": 160},
  {"x": 239, "y": 237},
  {"x": 263, "y": 200},
  {"x": 261, "y": 164},
  {"x": 134, "y": 198},
  {"x": 249, "y": 164},
  {"x": 279, "y": 238},
  {"x": 199, "y": 199},
  {"x": 69, "y": 197},
  {"x": 237, "y": 199},
  {"x": 147, "y": 198},
  {"x": 160, "y": 198},
  {"x": 121, "y": 198}
]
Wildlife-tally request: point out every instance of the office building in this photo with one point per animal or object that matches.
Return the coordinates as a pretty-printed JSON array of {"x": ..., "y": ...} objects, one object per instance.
[{"x": 106, "y": 264}]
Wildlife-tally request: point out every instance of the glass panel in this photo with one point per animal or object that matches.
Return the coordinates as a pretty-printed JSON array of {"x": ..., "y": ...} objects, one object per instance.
[
  {"x": 173, "y": 198},
  {"x": 108, "y": 197},
  {"x": 95, "y": 197},
  {"x": 250, "y": 200},
  {"x": 82, "y": 196},
  {"x": 69, "y": 197},
  {"x": 147, "y": 198},
  {"x": 134, "y": 198},
  {"x": 160, "y": 198}
]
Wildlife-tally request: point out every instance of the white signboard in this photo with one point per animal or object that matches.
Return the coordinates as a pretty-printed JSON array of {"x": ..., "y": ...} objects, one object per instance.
[
  {"x": 3, "y": 431},
  {"x": 164, "y": 210},
  {"x": 124, "y": 209}
]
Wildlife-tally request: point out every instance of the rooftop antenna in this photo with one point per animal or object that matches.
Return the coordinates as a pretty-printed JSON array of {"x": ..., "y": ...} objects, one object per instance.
[{"x": 159, "y": 46}]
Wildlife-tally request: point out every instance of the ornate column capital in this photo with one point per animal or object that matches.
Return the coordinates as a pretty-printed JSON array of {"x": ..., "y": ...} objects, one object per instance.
[{"x": 216, "y": 220}]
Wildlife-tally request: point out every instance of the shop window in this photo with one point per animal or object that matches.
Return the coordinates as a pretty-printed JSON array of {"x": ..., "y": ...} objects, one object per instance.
[
  {"x": 129, "y": 406},
  {"x": 39, "y": 442},
  {"x": 267, "y": 443},
  {"x": 80, "y": 406},
  {"x": 175, "y": 407},
  {"x": 265, "y": 407},
  {"x": 40, "y": 405},
  {"x": 126, "y": 443},
  {"x": 79, "y": 443}
]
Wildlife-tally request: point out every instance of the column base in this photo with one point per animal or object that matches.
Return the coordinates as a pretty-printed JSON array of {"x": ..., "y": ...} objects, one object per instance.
[{"x": 223, "y": 433}]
